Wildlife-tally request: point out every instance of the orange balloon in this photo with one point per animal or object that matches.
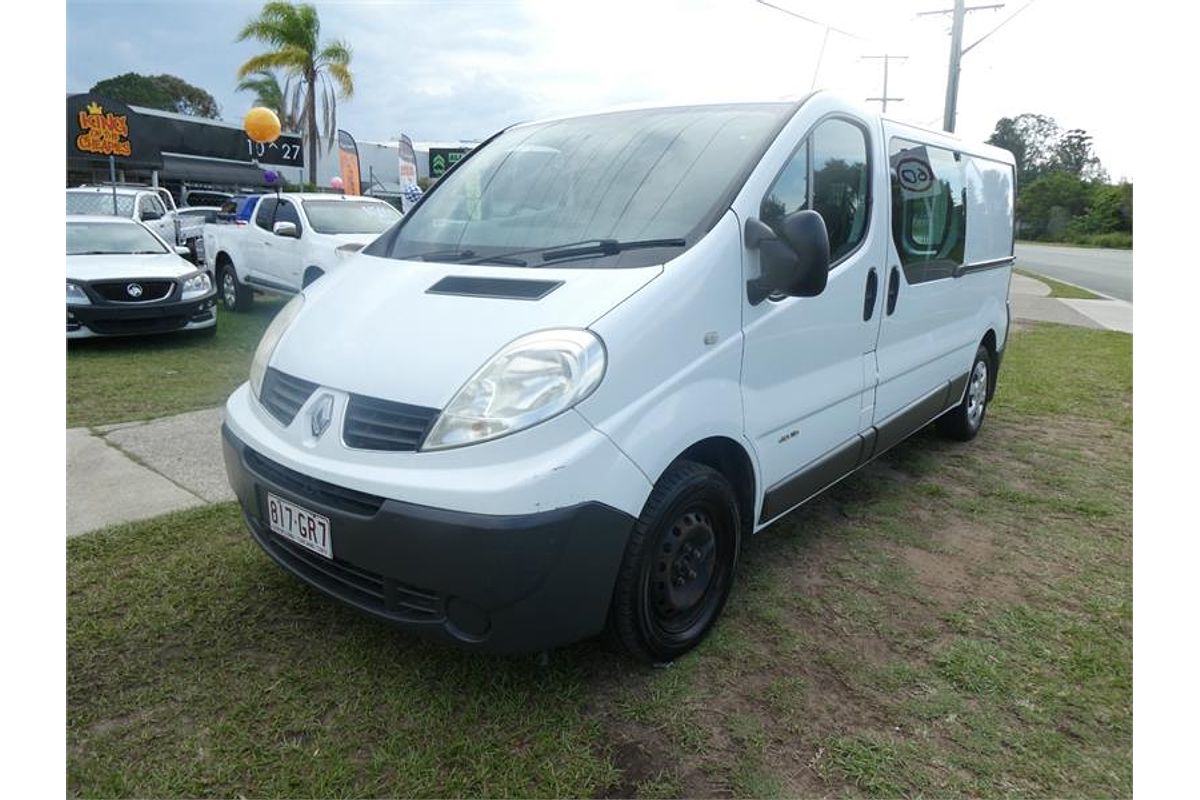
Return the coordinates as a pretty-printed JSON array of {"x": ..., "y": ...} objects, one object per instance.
[{"x": 261, "y": 124}]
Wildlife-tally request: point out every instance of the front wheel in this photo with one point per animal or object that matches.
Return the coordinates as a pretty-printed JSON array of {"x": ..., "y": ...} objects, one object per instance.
[
  {"x": 236, "y": 295},
  {"x": 963, "y": 422},
  {"x": 679, "y": 563}
]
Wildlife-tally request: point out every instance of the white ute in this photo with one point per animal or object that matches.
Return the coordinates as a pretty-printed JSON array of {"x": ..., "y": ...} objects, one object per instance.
[
  {"x": 291, "y": 240},
  {"x": 603, "y": 350}
]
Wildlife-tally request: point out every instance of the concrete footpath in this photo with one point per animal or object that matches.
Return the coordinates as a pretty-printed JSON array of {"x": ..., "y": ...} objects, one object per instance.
[{"x": 136, "y": 470}]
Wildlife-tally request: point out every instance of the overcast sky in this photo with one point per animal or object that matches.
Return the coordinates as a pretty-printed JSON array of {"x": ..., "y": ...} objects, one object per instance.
[{"x": 450, "y": 69}]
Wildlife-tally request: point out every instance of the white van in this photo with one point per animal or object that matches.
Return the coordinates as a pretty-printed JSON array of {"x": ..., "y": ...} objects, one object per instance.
[{"x": 603, "y": 351}]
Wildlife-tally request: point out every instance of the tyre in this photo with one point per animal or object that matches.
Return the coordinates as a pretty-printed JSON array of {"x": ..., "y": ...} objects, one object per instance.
[
  {"x": 963, "y": 421},
  {"x": 679, "y": 564},
  {"x": 235, "y": 295}
]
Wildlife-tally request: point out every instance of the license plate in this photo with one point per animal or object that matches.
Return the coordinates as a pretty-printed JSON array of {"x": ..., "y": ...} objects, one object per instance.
[{"x": 297, "y": 524}]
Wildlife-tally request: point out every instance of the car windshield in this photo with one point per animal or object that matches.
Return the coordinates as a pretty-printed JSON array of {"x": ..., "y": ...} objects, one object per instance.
[
  {"x": 110, "y": 238},
  {"x": 349, "y": 216},
  {"x": 99, "y": 203},
  {"x": 642, "y": 178}
]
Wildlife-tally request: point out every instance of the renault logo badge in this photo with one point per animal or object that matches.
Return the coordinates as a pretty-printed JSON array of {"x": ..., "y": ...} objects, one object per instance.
[
  {"x": 321, "y": 415},
  {"x": 134, "y": 289}
]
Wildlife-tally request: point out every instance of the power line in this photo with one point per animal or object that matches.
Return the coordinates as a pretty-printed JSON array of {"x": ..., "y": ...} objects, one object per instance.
[
  {"x": 824, "y": 39},
  {"x": 1007, "y": 20}
]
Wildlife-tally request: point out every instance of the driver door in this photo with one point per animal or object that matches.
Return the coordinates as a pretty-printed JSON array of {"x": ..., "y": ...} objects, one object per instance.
[{"x": 808, "y": 368}]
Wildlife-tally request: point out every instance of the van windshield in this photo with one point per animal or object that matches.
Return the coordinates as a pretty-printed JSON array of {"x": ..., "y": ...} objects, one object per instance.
[{"x": 626, "y": 177}]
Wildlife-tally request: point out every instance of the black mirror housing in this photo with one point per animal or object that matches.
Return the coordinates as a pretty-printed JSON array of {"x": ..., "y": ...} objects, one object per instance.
[{"x": 795, "y": 263}]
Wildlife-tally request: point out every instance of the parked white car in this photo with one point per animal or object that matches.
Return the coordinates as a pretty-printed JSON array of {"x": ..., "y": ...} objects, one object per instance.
[
  {"x": 141, "y": 204},
  {"x": 292, "y": 239},
  {"x": 604, "y": 350},
  {"x": 123, "y": 279}
]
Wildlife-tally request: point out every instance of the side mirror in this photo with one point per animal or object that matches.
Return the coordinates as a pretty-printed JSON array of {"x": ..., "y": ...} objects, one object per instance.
[
  {"x": 286, "y": 229},
  {"x": 149, "y": 215},
  {"x": 183, "y": 250},
  {"x": 795, "y": 263}
]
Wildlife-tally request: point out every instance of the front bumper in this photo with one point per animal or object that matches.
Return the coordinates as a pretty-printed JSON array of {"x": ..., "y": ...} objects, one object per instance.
[
  {"x": 117, "y": 319},
  {"x": 502, "y": 583}
]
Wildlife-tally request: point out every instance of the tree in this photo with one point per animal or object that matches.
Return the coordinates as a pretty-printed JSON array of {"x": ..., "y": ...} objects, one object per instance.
[
  {"x": 164, "y": 92},
  {"x": 1049, "y": 204},
  {"x": 268, "y": 93},
  {"x": 293, "y": 31},
  {"x": 1073, "y": 154},
  {"x": 1032, "y": 139}
]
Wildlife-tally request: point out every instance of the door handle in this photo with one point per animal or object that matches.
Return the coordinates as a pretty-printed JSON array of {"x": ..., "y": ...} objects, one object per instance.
[
  {"x": 871, "y": 295},
  {"x": 893, "y": 290}
]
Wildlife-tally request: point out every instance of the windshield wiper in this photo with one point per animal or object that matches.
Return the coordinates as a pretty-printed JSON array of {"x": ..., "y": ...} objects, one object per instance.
[
  {"x": 607, "y": 247},
  {"x": 584, "y": 247},
  {"x": 462, "y": 256}
]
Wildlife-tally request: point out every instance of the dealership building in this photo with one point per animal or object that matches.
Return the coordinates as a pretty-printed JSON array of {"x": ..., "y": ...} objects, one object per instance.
[{"x": 183, "y": 153}]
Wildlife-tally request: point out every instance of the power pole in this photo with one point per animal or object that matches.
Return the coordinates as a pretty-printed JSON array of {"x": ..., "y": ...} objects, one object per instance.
[
  {"x": 956, "y": 51},
  {"x": 887, "y": 59}
]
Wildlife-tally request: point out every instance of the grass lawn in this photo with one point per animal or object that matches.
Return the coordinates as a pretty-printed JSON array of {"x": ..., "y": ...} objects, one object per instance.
[
  {"x": 139, "y": 377},
  {"x": 1060, "y": 289},
  {"x": 955, "y": 620}
]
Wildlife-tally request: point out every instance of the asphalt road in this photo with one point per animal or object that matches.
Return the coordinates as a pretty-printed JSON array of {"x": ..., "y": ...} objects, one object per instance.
[{"x": 1109, "y": 272}]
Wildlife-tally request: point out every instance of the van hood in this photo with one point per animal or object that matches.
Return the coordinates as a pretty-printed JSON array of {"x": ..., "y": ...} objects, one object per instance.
[
  {"x": 414, "y": 332},
  {"x": 119, "y": 266}
]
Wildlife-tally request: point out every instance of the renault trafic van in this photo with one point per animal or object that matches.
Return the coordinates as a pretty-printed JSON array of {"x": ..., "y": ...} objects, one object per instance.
[{"x": 603, "y": 351}]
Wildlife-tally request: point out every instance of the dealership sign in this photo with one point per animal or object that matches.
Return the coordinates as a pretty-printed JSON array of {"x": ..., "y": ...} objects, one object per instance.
[{"x": 104, "y": 134}]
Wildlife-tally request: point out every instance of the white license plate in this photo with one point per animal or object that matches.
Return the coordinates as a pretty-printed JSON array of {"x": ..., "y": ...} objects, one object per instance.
[{"x": 295, "y": 523}]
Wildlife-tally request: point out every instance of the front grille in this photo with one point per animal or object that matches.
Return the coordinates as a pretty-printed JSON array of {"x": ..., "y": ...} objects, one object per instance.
[
  {"x": 282, "y": 394},
  {"x": 384, "y": 595},
  {"x": 116, "y": 327},
  {"x": 374, "y": 424},
  {"x": 119, "y": 291},
  {"x": 318, "y": 491}
]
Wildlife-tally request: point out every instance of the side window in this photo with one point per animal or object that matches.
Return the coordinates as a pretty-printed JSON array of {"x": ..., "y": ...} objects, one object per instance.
[
  {"x": 287, "y": 213},
  {"x": 143, "y": 205},
  {"x": 928, "y": 209},
  {"x": 155, "y": 205},
  {"x": 841, "y": 184},
  {"x": 265, "y": 216},
  {"x": 829, "y": 174}
]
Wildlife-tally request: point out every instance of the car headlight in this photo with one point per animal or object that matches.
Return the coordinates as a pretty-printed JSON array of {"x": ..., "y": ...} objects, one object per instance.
[
  {"x": 196, "y": 286},
  {"x": 530, "y": 380},
  {"x": 266, "y": 346},
  {"x": 76, "y": 296}
]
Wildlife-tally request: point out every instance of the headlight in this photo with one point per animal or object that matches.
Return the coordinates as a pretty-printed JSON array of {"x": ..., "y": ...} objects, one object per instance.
[
  {"x": 530, "y": 380},
  {"x": 266, "y": 347},
  {"x": 76, "y": 296},
  {"x": 196, "y": 286}
]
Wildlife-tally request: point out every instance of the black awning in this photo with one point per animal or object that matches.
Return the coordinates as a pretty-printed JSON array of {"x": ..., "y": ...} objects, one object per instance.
[{"x": 210, "y": 170}]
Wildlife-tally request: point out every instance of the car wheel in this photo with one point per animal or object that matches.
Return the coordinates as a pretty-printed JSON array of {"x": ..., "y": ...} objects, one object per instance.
[
  {"x": 678, "y": 566},
  {"x": 963, "y": 422},
  {"x": 236, "y": 295}
]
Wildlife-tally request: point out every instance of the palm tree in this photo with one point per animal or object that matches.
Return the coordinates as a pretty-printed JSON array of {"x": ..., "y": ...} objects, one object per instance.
[
  {"x": 294, "y": 33},
  {"x": 268, "y": 93}
]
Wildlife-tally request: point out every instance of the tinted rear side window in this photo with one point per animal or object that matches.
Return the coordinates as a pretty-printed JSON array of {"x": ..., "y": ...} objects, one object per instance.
[{"x": 928, "y": 209}]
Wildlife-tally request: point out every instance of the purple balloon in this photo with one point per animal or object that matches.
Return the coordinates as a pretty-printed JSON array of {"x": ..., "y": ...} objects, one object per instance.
[{"x": 270, "y": 175}]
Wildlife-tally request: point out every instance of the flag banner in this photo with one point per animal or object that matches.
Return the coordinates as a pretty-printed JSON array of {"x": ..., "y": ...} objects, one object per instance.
[{"x": 348, "y": 157}]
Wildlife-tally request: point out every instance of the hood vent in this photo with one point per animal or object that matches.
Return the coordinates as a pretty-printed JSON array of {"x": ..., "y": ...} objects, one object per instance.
[{"x": 499, "y": 288}]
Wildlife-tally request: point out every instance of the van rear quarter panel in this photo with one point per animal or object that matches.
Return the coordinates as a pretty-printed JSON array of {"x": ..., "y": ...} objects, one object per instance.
[{"x": 666, "y": 388}]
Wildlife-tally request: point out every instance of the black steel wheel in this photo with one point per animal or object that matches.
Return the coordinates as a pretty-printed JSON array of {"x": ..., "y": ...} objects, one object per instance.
[{"x": 679, "y": 564}]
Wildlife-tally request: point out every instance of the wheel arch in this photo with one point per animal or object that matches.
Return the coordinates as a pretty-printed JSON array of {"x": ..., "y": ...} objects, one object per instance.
[
  {"x": 989, "y": 342},
  {"x": 732, "y": 460}
]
